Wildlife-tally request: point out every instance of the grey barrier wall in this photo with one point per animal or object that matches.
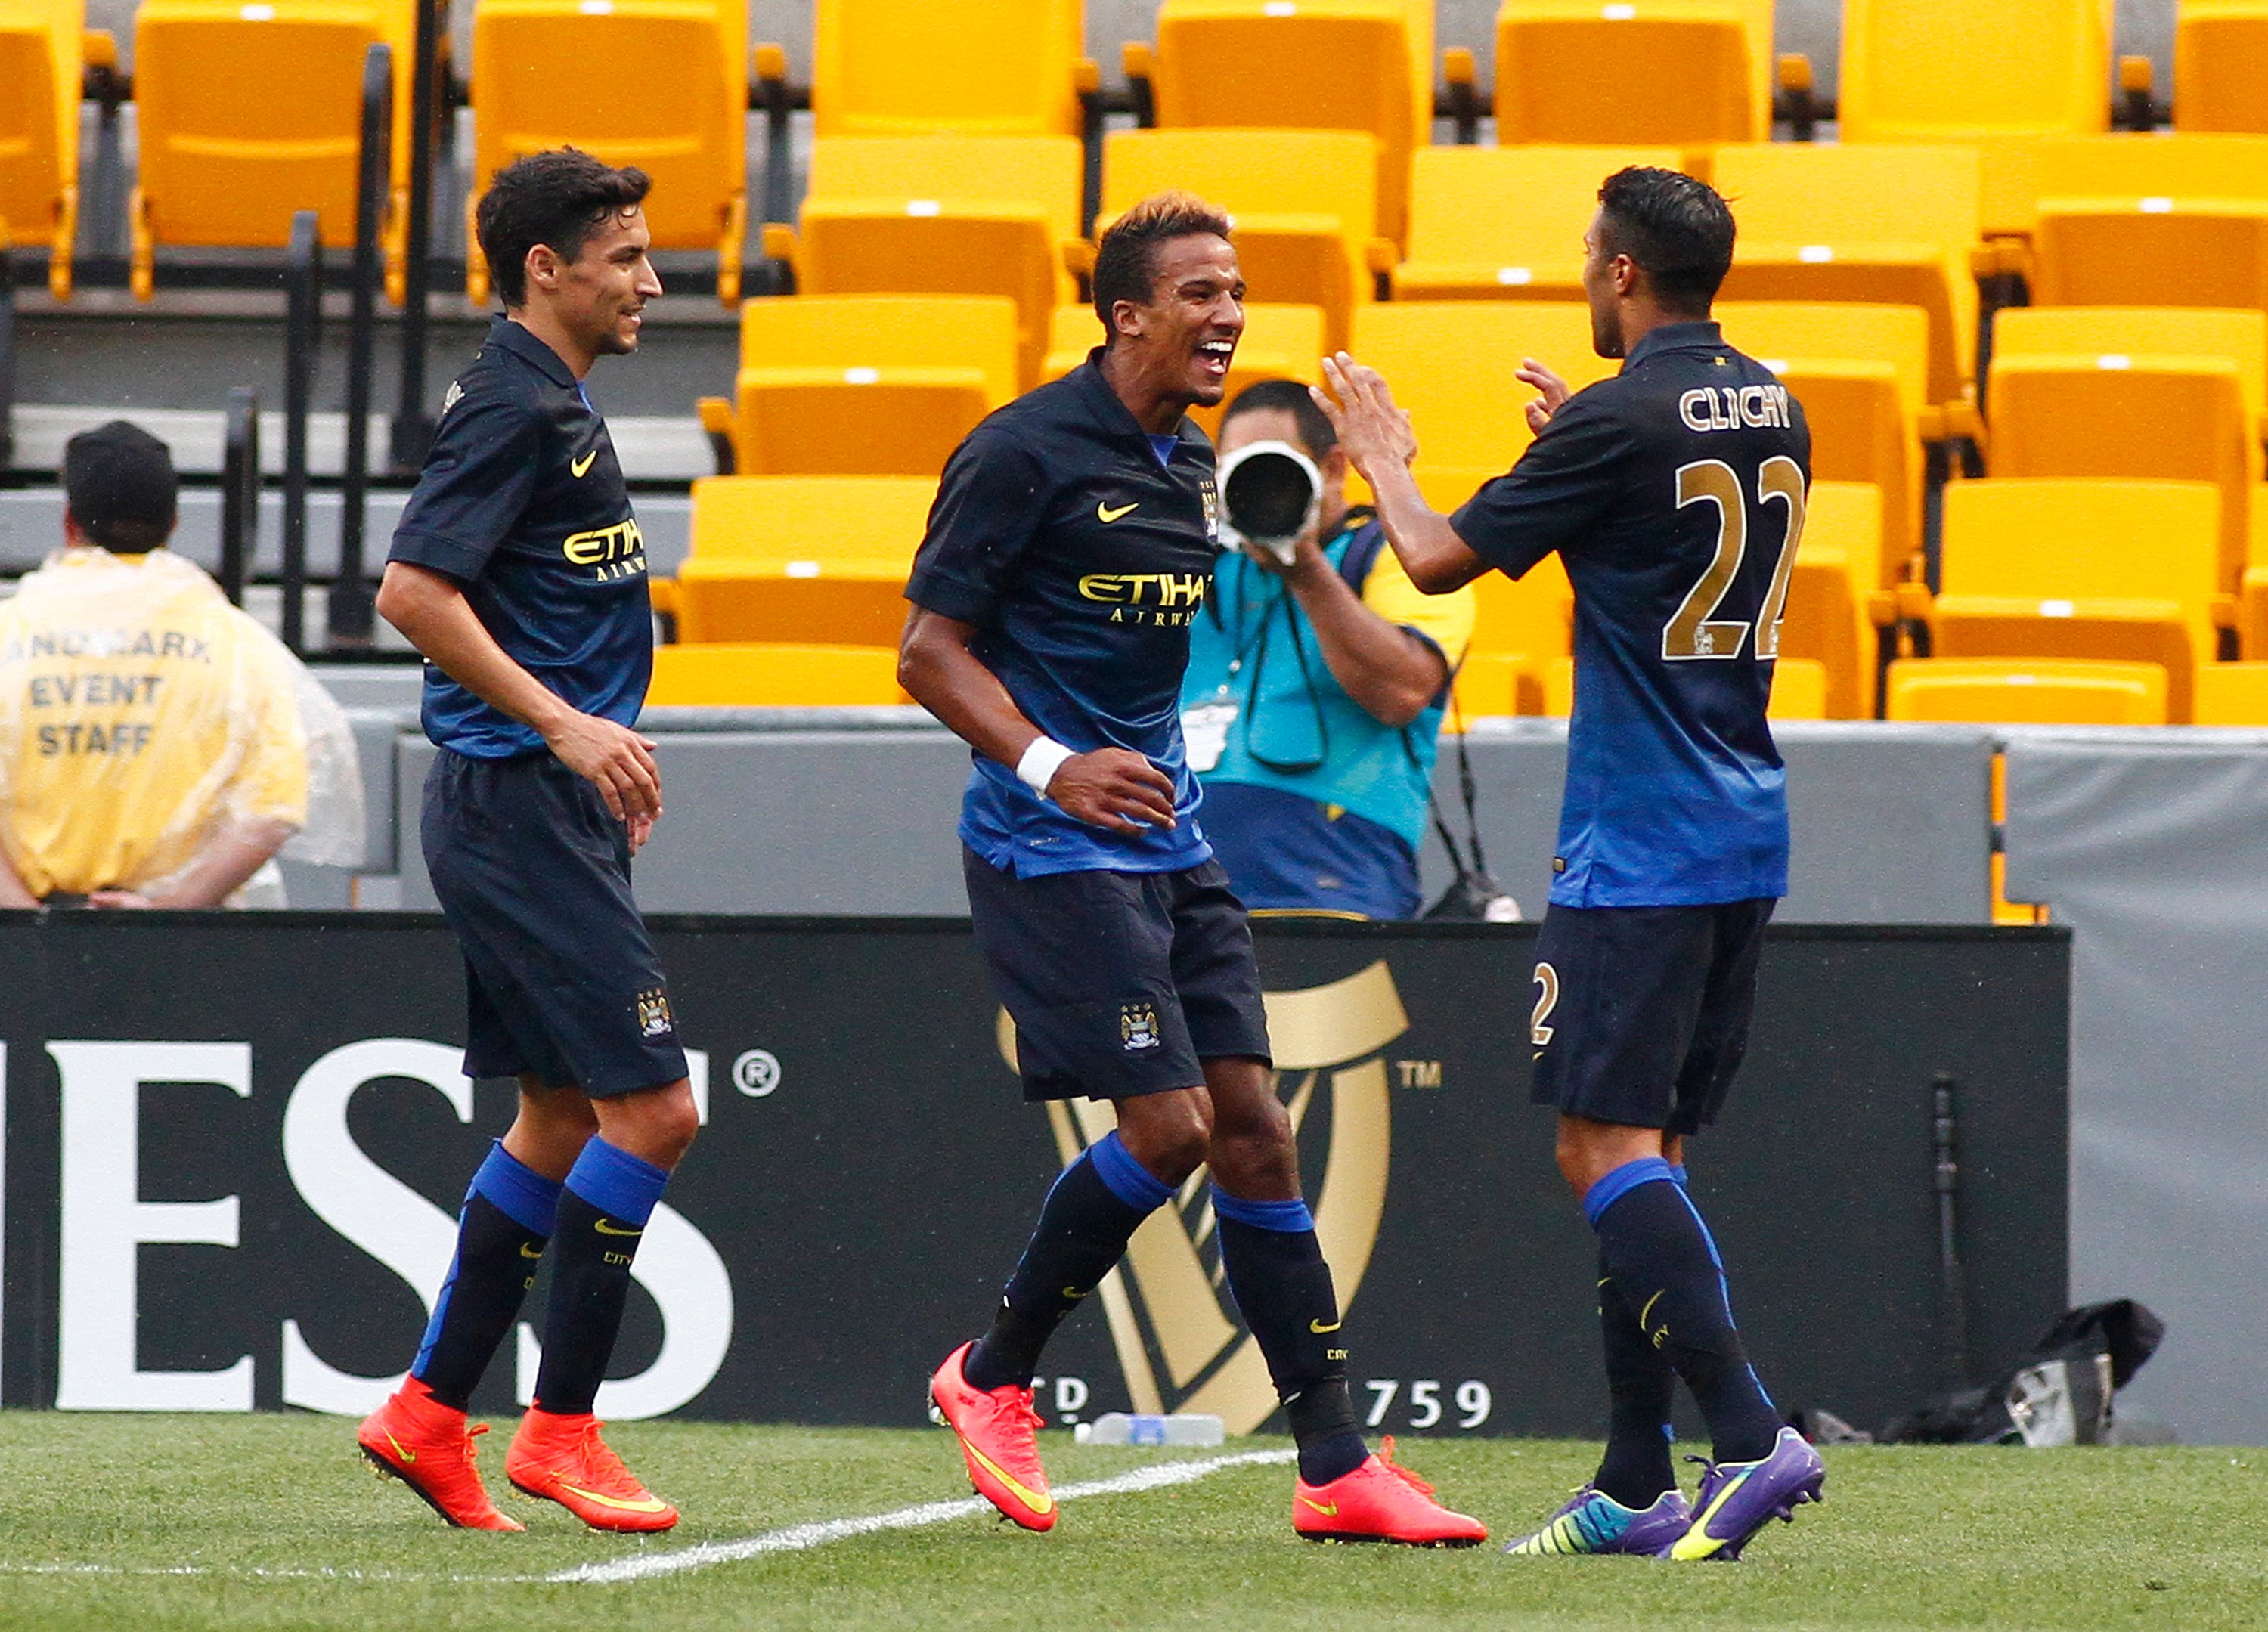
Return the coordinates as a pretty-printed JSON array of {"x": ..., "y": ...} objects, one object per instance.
[
  {"x": 233, "y": 1186},
  {"x": 2152, "y": 846}
]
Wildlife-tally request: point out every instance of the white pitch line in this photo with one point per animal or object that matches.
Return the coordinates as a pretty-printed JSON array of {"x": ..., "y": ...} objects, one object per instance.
[{"x": 795, "y": 1538}]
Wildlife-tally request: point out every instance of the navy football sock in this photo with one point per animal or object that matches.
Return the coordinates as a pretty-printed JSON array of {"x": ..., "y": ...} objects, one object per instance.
[
  {"x": 1091, "y": 1212},
  {"x": 609, "y": 1196},
  {"x": 1664, "y": 1262},
  {"x": 1282, "y": 1288},
  {"x": 506, "y": 1219},
  {"x": 1640, "y": 1384}
]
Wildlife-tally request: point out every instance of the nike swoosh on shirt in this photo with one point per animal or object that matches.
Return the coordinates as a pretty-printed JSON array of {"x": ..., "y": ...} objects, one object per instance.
[
  {"x": 1104, "y": 513},
  {"x": 577, "y": 466}
]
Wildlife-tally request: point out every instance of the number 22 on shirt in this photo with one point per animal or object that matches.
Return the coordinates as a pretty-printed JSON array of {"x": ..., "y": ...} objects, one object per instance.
[{"x": 1694, "y": 632}]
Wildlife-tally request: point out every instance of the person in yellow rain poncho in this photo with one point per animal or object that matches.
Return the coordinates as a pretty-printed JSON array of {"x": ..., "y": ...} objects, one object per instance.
[{"x": 158, "y": 748}]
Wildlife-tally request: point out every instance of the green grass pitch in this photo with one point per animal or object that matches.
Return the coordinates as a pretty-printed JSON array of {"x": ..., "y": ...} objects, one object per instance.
[{"x": 162, "y": 1523}]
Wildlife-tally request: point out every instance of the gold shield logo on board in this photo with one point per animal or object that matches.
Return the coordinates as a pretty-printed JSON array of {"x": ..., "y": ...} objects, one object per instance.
[{"x": 1172, "y": 1320}]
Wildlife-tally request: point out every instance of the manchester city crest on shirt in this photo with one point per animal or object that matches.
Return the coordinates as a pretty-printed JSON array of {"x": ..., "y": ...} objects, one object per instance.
[
  {"x": 654, "y": 1019},
  {"x": 1138, "y": 1027}
]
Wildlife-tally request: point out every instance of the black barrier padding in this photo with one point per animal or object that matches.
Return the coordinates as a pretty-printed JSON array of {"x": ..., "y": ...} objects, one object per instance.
[{"x": 868, "y": 1207}]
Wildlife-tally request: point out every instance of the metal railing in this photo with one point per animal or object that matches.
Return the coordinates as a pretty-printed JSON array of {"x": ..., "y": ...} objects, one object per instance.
[
  {"x": 303, "y": 335},
  {"x": 348, "y": 621},
  {"x": 240, "y": 493}
]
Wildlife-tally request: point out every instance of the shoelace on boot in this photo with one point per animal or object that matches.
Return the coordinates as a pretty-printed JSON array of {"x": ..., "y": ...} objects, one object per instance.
[{"x": 1385, "y": 1460}]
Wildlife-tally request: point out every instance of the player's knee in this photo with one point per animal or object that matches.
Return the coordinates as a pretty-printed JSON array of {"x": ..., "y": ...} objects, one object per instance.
[{"x": 1168, "y": 1133}]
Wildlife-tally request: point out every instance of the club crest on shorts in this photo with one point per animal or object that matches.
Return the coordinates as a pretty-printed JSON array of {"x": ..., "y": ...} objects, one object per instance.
[
  {"x": 654, "y": 1019},
  {"x": 1138, "y": 1027}
]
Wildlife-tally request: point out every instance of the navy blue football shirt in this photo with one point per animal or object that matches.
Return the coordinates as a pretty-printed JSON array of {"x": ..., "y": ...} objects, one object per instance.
[
  {"x": 522, "y": 503},
  {"x": 1081, "y": 557},
  {"x": 1675, "y": 495}
]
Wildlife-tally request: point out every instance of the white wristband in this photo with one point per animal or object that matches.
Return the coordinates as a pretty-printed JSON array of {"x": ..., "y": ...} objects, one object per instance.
[{"x": 1041, "y": 761}]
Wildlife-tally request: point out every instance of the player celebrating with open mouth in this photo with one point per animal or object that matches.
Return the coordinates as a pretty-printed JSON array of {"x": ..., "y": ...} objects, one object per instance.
[
  {"x": 1675, "y": 495},
  {"x": 1071, "y": 545}
]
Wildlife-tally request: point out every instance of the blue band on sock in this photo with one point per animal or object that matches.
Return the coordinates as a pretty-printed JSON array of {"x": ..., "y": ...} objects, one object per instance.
[
  {"x": 1677, "y": 1174},
  {"x": 1124, "y": 1177},
  {"x": 517, "y": 1191},
  {"x": 1622, "y": 1181},
  {"x": 1285, "y": 1217},
  {"x": 618, "y": 1184}
]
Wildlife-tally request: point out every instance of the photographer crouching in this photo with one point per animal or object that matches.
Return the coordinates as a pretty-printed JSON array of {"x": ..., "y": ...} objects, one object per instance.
[{"x": 1318, "y": 676}]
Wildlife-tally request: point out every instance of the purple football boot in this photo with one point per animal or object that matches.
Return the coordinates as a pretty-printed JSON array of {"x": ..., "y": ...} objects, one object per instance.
[
  {"x": 1593, "y": 1523},
  {"x": 1737, "y": 1497}
]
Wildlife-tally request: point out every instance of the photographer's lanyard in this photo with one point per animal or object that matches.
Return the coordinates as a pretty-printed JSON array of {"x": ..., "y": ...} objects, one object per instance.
[{"x": 1220, "y": 712}]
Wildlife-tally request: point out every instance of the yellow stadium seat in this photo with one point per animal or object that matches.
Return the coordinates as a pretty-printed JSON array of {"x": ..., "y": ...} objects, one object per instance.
[
  {"x": 1649, "y": 71},
  {"x": 1489, "y": 223},
  {"x": 662, "y": 85},
  {"x": 1552, "y": 688},
  {"x": 2231, "y": 693},
  {"x": 941, "y": 215},
  {"x": 1450, "y": 363},
  {"x": 1827, "y": 622},
  {"x": 1280, "y": 342},
  {"x": 868, "y": 384},
  {"x": 1489, "y": 683},
  {"x": 790, "y": 559},
  {"x": 1363, "y": 65},
  {"x": 1531, "y": 619},
  {"x": 2017, "y": 691},
  {"x": 1862, "y": 375},
  {"x": 248, "y": 113},
  {"x": 2036, "y": 568},
  {"x": 41, "y": 64},
  {"x": 914, "y": 67},
  {"x": 1920, "y": 70},
  {"x": 1799, "y": 690},
  {"x": 755, "y": 675},
  {"x": 1885, "y": 224},
  {"x": 2221, "y": 65},
  {"x": 1303, "y": 202},
  {"x": 2109, "y": 391}
]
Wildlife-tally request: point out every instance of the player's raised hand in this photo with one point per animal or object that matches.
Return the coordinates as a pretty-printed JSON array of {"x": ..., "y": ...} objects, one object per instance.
[
  {"x": 1371, "y": 428},
  {"x": 613, "y": 759},
  {"x": 1113, "y": 788},
  {"x": 1553, "y": 391}
]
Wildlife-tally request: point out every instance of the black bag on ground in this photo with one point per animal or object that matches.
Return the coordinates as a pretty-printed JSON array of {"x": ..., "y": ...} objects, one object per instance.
[{"x": 2059, "y": 1394}]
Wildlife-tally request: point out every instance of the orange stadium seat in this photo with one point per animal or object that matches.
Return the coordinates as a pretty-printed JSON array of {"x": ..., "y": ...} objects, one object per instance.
[
  {"x": 1489, "y": 223},
  {"x": 868, "y": 384},
  {"x": 2124, "y": 570},
  {"x": 1363, "y": 65},
  {"x": 1921, "y": 70},
  {"x": 2221, "y": 65},
  {"x": 787, "y": 558},
  {"x": 2108, "y": 391},
  {"x": 1862, "y": 375},
  {"x": 2232, "y": 694},
  {"x": 1828, "y": 619},
  {"x": 662, "y": 85},
  {"x": 2021, "y": 691},
  {"x": 755, "y": 674},
  {"x": 1280, "y": 342},
  {"x": 941, "y": 215},
  {"x": 221, "y": 168},
  {"x": 1886, "y": 224},
  {"x": 914, "y": 68},
  {"x": 1303, "y": 201},
  {"x": 1646, "y": 71},
  {"x": 1799, "y": 690},
  {"x": 42, "y": 60}
]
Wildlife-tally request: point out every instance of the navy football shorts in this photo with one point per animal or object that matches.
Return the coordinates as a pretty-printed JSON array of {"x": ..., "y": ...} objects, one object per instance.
[
  {"x": 1642, "y": 1012},
  {"x": 562, "y": 980},
  {"x": 1120, "y": 983}
]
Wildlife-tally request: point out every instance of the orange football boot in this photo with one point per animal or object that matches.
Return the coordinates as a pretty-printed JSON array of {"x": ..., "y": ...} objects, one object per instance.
[
  {"x": 995, "y": 1428},
  {"x": 427, "y": 1446},
  {"x": 562, "y": 1459},
  {"x": 1381, "y": 1500}
]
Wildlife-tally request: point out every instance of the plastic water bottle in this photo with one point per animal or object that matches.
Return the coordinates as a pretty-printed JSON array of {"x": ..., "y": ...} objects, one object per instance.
[{"x": 1144, "y": 1428}]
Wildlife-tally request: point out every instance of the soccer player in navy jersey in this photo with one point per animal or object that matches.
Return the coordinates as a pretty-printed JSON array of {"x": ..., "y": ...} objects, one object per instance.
[
  {"x": 518, "y": 572},
  {"x": 1675, "y": 495},
  {"x": 1069, "y": 546}
]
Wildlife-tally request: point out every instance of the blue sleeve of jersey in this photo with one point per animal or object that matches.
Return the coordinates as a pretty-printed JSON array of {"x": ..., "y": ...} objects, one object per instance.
[
  {"x": 986, "y": 513},
  {"x": 1561, "y": 487},
  {"x": 476, "y": 482}
]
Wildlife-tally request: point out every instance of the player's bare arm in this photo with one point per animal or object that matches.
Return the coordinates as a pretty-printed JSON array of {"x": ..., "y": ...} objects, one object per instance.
[
  {"x": 1111, "y": 788},
  {"x": 1379, "y": 444},
  {"x": 434, "y": 616},
  {"x": 1391, "y": 672}
]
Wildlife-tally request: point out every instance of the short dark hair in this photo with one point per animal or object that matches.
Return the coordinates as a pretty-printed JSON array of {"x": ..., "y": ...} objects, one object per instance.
[
  {"x": 1677, "y": 231},
  {"x": 1126, "y": 261},
  {"x": 558, "y": 198},
  {"x": 1314, "y": 426},
  {"x": 120, "y": 485}
]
